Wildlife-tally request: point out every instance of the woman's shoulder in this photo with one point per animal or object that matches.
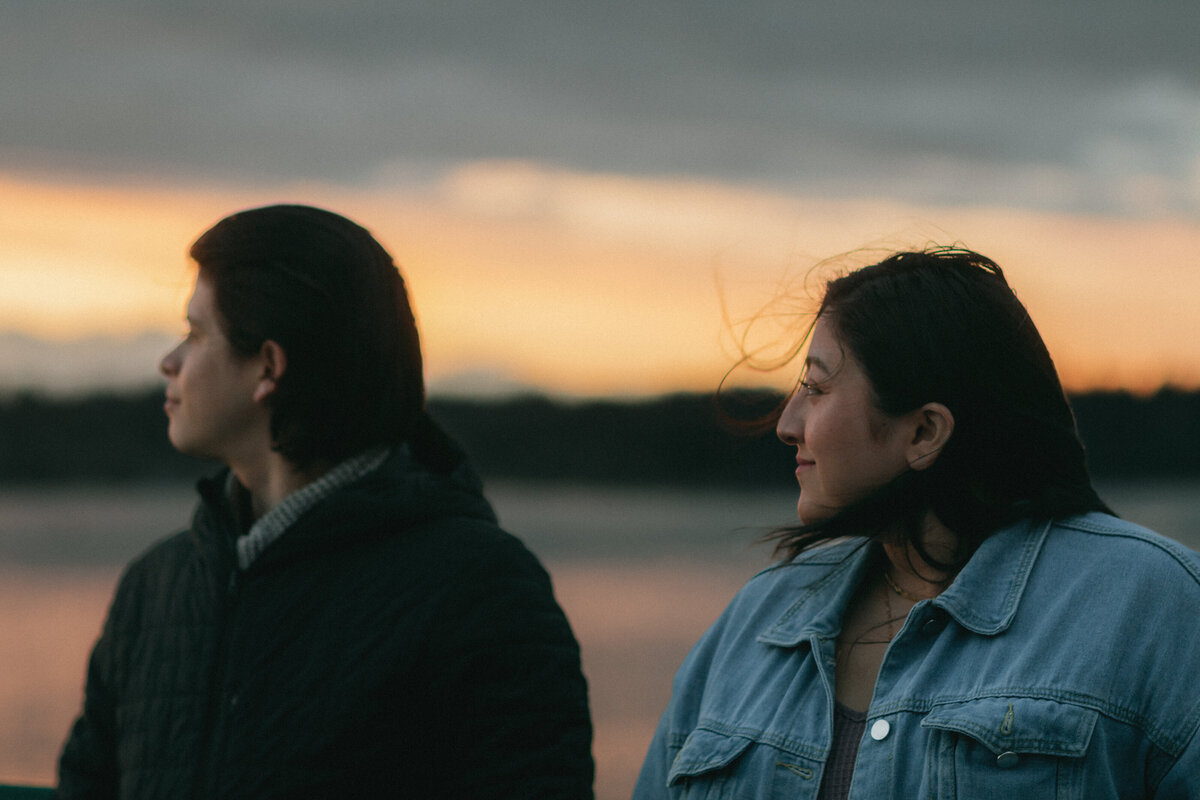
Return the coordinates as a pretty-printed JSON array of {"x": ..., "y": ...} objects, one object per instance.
[
  {"x": 783, "y": 584},
  {"x": 1105, "y": 541},
  {"x": 818, "y": 560}
]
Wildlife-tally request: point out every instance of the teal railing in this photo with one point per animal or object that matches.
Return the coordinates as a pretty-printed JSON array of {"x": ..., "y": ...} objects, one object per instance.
[{"x": 25, "y": 793}]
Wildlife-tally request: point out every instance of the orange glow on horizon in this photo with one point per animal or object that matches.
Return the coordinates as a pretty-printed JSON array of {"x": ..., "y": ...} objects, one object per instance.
[{"x": 600, "y": 284}]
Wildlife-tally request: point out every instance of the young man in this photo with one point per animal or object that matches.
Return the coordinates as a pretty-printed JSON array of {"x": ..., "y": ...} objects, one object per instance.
[{"x": 344, "y": 617}]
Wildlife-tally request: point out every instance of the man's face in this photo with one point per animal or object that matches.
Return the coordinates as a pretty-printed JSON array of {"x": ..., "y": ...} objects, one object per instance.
[{"x": 210, "y": 398}]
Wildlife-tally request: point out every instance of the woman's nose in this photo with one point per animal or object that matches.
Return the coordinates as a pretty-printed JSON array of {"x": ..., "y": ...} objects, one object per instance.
[{"x": 790, "y": 428}]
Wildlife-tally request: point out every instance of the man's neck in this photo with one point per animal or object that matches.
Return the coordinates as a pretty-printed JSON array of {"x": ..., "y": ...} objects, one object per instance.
[{"x": 272, "y": 478}]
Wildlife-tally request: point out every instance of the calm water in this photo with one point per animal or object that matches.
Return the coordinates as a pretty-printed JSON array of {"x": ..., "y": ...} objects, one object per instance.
[{"x": 641, "y": 573}]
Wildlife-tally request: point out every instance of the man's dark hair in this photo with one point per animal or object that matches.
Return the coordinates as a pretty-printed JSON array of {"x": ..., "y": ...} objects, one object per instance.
[{"x": 329, "y": 294}]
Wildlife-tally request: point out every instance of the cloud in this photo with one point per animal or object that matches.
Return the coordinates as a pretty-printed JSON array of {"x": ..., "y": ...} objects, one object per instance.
[
  {"x": 594, "y": 283},
  {"x": 931, "y": 101},
  {"x": 628, "y": 143},
  {"x": 80, "y": 365}
]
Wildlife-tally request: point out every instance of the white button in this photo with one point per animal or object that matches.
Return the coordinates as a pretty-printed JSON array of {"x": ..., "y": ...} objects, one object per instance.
[{"x": 880, "y": 730}]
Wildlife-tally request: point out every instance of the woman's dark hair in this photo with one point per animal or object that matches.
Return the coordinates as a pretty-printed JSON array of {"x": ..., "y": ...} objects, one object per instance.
[
  {"x": 328, "y": 293},
  {"x": 942, "y": 325}
]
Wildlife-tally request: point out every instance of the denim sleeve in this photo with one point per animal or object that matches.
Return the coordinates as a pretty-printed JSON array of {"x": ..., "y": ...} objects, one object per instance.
[
  {"x": 652, "y": 782},
  {"x": 680, "y": 716},
  {"x": 1182, "y": 781}
]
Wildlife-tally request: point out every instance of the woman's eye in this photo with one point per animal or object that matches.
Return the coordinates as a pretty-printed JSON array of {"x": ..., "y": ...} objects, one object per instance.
[{"x": 809, "y": 388}]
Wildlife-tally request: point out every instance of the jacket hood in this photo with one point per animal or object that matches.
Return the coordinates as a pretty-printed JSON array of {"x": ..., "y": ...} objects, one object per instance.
[{"x": 401, "y": 493}]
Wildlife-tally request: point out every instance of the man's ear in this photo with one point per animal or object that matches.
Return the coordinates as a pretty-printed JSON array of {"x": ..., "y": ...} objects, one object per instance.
[
  {"x": 274, "y": 363},
  {"x": 932, "y": 426}
]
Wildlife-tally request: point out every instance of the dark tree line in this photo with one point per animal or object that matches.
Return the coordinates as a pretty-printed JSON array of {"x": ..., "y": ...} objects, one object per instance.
[
  {"x": 1131, "y": 436},
  {"x": 681, "y": 439},
  {"x": 103, "y": 437},
  {"x": 676, "y": 439}
]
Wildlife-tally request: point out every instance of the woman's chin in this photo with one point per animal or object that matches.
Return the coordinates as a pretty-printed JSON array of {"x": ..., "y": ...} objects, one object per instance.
[{"x": 809, "y": 515}]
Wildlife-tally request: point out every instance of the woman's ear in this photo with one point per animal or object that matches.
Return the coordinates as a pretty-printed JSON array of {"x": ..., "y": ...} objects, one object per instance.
[
  {"x": 274, "y": 364},
  {"x": 933, "y": 425}
]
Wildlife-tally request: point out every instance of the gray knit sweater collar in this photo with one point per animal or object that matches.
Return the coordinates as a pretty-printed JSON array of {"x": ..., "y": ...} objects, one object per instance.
[{"x": 273, "y": 524}]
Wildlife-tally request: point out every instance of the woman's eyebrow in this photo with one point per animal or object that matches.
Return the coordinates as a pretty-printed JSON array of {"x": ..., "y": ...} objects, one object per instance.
[{"x": 813, "y": 361}]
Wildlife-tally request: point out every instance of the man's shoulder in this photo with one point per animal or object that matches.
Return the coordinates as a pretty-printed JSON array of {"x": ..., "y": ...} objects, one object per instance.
[
  {"x": 161, "y": 571},
  {"x": 172, "y": 549},
  {"x": 455, "y": 543}
]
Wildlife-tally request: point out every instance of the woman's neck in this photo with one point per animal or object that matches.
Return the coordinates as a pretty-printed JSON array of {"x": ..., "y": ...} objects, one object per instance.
[{"x": 909, "y": 573}]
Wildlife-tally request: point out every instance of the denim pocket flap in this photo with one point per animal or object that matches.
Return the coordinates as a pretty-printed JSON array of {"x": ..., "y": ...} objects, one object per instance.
[
  {"x": 706, "y": 751},
  {"x": 1019, "y": 724}
]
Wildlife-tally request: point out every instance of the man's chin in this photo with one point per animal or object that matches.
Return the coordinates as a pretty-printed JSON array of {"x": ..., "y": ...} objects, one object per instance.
[{"x": 187, "y": 447}]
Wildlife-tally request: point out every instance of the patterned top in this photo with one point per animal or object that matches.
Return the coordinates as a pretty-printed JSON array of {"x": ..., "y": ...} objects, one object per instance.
[{"x": 848, "y": 726}]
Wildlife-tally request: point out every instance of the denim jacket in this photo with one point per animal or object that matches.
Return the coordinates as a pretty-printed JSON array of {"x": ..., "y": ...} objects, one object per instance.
[{"x": 1062, "y": 662}]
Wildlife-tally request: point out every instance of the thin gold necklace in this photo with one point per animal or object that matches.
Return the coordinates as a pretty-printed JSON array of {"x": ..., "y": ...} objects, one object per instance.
[
  {"x": 907, "y": 595},
  {"x": 887, "y": 606}
]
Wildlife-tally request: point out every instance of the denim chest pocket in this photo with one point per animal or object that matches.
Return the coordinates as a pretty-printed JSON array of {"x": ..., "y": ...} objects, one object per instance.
[
  {"x": 1013, "y": 747},
  {"x": 718, "y": 766}
]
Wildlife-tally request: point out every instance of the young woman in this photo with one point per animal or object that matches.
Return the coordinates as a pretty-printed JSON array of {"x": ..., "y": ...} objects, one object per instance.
[{"x": 958, "y": 615}]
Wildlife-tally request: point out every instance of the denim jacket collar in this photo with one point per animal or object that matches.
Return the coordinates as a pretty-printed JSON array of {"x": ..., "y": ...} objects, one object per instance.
[
  {"x": 836, "y": 570},
  {"x": 983, "y": 597}
]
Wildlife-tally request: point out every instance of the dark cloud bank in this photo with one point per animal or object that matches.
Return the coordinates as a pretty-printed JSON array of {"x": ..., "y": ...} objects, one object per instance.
[{"x": 1050, "y": 104}]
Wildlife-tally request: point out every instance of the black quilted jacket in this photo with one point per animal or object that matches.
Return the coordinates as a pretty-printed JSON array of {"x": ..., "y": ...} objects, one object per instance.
[{"x": 393, "y": 643}]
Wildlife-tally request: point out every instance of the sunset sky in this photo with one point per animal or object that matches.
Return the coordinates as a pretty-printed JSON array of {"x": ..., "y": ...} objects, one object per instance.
[{"x": 590, "y": 199}]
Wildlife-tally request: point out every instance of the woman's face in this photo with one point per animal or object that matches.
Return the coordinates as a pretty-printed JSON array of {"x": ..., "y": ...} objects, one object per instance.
[{"x": 846, "y": 448}]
